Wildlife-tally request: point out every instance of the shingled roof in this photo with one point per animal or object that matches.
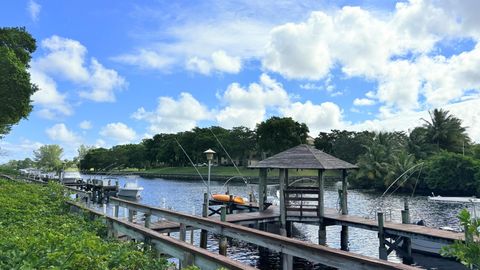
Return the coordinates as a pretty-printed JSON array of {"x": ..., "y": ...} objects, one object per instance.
[{"x": 304, "y": 157}]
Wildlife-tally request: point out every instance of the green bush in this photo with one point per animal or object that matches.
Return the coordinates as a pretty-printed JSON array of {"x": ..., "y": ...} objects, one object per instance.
[
  {"x": 466, "y": 252},
  {"x": 453, "y": 174},
  {"x": 38, "y": 232}
]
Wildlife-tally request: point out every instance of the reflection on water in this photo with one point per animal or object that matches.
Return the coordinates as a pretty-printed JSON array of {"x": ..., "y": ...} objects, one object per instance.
[{"x": 187, "y": 197}]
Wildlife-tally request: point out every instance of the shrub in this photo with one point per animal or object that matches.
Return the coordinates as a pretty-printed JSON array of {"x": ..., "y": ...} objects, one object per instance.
[
  {"x": 453, "y": 174},
  {"x": 38, "y": 232}
]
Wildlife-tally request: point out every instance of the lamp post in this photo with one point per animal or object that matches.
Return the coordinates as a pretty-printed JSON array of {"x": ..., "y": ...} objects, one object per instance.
[{"x": 209, "y": 154}]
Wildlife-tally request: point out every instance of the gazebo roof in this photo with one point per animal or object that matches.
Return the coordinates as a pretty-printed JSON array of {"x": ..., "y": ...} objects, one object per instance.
[{"x": 304, "y": 157}]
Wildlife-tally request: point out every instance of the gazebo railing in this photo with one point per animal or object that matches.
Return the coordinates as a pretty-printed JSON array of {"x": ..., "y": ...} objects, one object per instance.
[{"x": 301, "y": 201}]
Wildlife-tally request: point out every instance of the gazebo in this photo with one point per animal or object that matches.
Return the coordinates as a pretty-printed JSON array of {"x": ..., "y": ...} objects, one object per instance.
[{"x": 304, "y": 157}]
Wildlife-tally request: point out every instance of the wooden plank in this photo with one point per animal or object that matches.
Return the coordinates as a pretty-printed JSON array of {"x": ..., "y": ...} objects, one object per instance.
[
  {"x": 320, "y": 254},
  {"x": 176, "y": 248}
]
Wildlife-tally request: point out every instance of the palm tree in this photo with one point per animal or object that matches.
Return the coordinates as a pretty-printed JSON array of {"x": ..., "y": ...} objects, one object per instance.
[{"x": 445, "y": 131}]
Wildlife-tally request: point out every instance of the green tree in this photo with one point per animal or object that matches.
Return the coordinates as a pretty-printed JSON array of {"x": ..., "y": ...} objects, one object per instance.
[
  {"x": 374, "y": 165},
  {"x": 445, "y": 131},
  {"x": 16, "y": 47},
  {"x": 278, "y": 134},
  {"x": 48, "y": 156},
  {"x": 453, "y": 174},
  {"x": 82, "y": 151},
  {"x": 343, "y": 144}
]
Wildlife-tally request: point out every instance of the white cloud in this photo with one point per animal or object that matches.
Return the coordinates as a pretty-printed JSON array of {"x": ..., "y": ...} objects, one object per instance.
[
  {"x": 174, "y": 115},
  {"x": 323, "y": 117},
  {"x": 248, "y": 106},
  {"x": 19, "y": 150},
  {"x": 226, "y": 63},
  {"x": 118, "y": 132},
  {"x": 363, "y": 102},
  {"x": 60, "y": 132},
  {"x": 53, "y": 103},
  {"x": 145, "y": 59},
  {"x": 198, "y": 65},
  {"x": 103, "y": 82},
  {"x": 408, "y": 120},
  {"x": 396, "y": 50},
  {"x": 66, "y": 58},
  {"x": 85, "y": 124},
  {"x": 219, "y": 61},
  {"x": 34, "y": 10}
]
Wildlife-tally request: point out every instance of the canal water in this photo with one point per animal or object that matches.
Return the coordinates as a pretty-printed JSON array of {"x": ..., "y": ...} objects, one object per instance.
[{"x": 187, "y": 196}]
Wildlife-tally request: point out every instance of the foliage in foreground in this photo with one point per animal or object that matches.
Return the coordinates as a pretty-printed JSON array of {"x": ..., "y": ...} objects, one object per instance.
[
  {"x": 466, "y": 252},
  {"x": 38, "y": 232}
]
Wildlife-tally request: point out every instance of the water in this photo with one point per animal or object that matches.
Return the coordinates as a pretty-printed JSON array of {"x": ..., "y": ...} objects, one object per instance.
[{"x": 187, "y": 197}]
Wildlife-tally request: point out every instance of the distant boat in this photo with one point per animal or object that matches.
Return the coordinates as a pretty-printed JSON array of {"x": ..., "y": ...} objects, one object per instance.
[
  {"x": 442, "y": 199},
  {"x": 70, "y": 177},
  {"x": 130, "y": 190}
]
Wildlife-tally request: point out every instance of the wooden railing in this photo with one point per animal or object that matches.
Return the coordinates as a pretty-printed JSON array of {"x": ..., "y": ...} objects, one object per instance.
[
  {"x": 316, "y": 253},
  {"x": 301, "y": 200}
]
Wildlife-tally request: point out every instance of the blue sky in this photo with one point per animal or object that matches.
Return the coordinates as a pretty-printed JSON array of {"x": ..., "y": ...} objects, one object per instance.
[{"x": 115, "y": 72}]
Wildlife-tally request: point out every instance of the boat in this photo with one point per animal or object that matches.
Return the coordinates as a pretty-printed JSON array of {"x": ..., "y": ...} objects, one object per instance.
[
  {"x": 442, "y": 199},
  {"x": 228, "y": 198},
  {"x": 130, "y": 190},
  {"x": 70, "y": 177}
]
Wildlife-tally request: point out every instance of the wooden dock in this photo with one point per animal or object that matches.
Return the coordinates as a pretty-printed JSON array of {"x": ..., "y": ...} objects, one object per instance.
[
  {"x": 293, "y": 247},
  {"x": 332, "y": 217}
]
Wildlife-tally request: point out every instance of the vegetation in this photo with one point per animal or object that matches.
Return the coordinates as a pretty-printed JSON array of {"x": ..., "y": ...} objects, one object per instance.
[
  {"x": 278, "y": 134},
  {"x": 466, "y": 252},
  {"x": 436, "y": 157},
  {"x": 16, "y": 47},
  {"x": 38, "y": 232},
  {"x": 48, "y": 157}
]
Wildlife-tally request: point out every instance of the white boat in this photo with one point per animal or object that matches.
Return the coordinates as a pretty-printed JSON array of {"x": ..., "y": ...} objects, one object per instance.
[
  {"x": 442, "y": 199},
  {"x": 130, "y": 190},
  {"x": 70, "y": 177}
]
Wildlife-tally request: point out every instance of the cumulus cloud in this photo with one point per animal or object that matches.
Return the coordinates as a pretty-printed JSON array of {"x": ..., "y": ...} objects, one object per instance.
[
  {"x": 248, "y": 106},
  {"x": 34, "y": 10},
  {"x": 398, "y": 51},
  {"x": 66, "y": 58},
  {"x": 219, "y": 61},
  {"x": 53, "y": 102},
  {"x": 85, "y": 124},
  {"x": 119, "y": 132},
  {"x": 174, "y": 115},
  {"x": 60, "y": 133},
  {"x": 318, "y": 117}
]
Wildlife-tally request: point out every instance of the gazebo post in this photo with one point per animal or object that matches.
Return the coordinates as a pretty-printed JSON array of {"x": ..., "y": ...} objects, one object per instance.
[
  {"x": 287, "y": 260},
  {"x": 262, "y": 188},
  {"x": 322, "y": 232},
  {"x": 344, "y": 232}
]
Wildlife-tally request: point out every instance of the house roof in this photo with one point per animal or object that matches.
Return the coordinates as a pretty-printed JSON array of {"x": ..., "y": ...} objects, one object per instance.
[{"x": 304, "y": 157}]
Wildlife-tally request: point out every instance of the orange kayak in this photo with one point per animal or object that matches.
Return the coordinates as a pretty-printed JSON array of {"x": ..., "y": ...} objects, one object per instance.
[{"x": 228, "y": 198}]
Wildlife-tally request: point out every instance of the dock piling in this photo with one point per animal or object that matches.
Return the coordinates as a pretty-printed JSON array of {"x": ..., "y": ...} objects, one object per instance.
[
  {"x": 407, "y": 242},
  {"x": 204, "y": 233},
  {"x": 222, "y": 249},
  {"x": 382, "y": 250}
]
